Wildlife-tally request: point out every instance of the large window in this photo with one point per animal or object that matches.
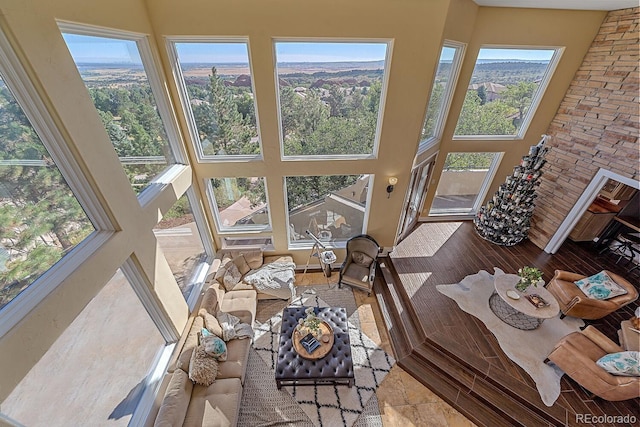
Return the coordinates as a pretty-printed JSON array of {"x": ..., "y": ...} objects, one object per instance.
[
  {"x": 441, "y": 91},
  {"x": 218, "y": 95},
  {"x": 504, "y": 91},
  {"x": 119, "y": 84},
  {"x": 240, "y": 204},
  {"x": 330, "y": 97},
  {"x": 40, "y": 219},
  {"x": 95, "y": 373},
  {"x": 332, "y": 207},
  {"x": 182, "y": 244},
  {"x": 463, "y": 183}
]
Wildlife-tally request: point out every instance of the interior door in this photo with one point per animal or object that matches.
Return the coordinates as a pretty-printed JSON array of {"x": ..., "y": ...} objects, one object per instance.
[{"x": 414, "y": 200}]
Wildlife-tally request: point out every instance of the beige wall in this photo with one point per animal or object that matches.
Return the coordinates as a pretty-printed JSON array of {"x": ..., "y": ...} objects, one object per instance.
[{"x": 417, "y": 29}]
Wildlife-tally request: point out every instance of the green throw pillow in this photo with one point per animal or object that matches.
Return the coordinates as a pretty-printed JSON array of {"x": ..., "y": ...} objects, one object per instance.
[
  {"x": 600, "y": 286},
  {"x": 624, "y": 363}
]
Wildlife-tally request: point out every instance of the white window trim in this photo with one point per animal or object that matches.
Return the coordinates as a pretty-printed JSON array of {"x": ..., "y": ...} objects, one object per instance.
[
  {"x": 245, "y": 229},
  {"x": 16, "y": 78},
  {"x": 160, "y": 96},
  {"x": 381, "y": 107},
  {"x": 294, "y": 245},
  {"x": 183, "y": 95},
  {"x": 535, "y": 102},
  {"x": 456, "y": 65},
  {"x": 152, "y": 383}
]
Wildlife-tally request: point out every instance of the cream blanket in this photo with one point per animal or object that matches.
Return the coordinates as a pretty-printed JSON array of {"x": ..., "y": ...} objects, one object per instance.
[{"x": 274, "y": 279}]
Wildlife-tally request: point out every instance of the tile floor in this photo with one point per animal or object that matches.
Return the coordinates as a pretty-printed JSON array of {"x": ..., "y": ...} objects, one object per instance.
[{"x": 404, "y": 401}]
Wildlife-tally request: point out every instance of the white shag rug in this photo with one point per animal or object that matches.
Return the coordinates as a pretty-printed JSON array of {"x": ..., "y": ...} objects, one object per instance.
[
  {"x": 330, "y": 405},
  {"x": 528, "y": 349}
]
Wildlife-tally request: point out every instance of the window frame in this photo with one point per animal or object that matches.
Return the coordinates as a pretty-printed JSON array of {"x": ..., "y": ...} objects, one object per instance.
[
  {"x": 482, "y": 192},
  {"x": 183, "y": 95},
  {"x": 15, "y": 77},
  {"x": 381, "y": 107},
  {"x": 151, "y": 68},
  {"x": 307, "y": 244},
  {"x": 456, "y": 66},
  {"x": 227, "y": 231},
  {"x": 535, "y": 101}
]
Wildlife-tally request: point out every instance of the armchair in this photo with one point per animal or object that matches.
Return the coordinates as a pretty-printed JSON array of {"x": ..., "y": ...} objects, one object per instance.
[
  {"x": 574, "y": 302},
  {"x": 359, "y": 267},
  {"x": 576, "y": 354}
]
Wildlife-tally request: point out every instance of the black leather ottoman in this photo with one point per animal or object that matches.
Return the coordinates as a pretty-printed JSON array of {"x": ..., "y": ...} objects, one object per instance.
[{"x": 334, "y": 368}]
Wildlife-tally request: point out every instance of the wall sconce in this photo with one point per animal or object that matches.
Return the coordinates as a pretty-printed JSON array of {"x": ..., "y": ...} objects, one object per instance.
[{"x": 392, "y": 181}]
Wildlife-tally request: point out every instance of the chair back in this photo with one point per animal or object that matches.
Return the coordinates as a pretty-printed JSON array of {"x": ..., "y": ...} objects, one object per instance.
[{"x": 365, "y": 244}]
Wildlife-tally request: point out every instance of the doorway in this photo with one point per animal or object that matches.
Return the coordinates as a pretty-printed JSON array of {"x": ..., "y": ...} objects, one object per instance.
[{"x": 414, "y": 200}]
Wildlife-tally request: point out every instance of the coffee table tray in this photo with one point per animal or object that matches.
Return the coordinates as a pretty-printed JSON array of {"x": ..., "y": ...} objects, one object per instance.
[{"x": 320, "y": 352}]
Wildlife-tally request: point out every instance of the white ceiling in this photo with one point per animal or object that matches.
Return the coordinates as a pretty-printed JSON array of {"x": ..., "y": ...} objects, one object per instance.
[{"x": 563, "y": 4}]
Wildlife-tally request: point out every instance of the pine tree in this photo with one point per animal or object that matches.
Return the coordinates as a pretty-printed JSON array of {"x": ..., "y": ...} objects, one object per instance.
[{"x": 505, "y": 219}]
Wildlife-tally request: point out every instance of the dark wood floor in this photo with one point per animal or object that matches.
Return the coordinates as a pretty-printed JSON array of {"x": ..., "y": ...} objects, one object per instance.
[{"x": 477, "y": 373}]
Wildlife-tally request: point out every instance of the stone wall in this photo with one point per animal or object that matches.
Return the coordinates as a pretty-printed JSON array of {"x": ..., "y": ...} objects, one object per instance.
[{"x": 596, "y": 125}]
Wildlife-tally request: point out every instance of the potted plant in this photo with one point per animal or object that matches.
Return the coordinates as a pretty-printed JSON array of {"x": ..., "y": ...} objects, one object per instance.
[
  {"x": 310, "y": 324},
  {"x": 528, "y": 276}
]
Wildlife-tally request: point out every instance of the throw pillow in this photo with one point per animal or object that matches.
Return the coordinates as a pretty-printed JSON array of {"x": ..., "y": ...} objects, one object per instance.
[
  {"x": 222, "y": 270},
  {"x": 203, "y": 368},
  {"x": 242, "y": 265},
  {"x": 600, "y": 286},
  {"x": 214, "y": 345},
  {"x": 254, "y": 259},
  {"x": 211, "y": 323},
  {"x": 232, "y": 277},
  {"x": 624, "y": 363},
  {"x": 361, "y": 258}
]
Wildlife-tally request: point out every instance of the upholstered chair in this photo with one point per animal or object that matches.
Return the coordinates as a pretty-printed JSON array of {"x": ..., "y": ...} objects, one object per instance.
[
  {"x": 573, "y": 302},
  {"x": 577, "y": 353},
  {"x": 359, "y": 267}
]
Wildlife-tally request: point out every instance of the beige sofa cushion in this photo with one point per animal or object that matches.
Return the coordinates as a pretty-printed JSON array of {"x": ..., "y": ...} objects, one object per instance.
[
  {"x": 176, "y": 400},
  {"x": 190, "y": 344},
  {"x": 210, "y": 301},
  {"x": 237, "y": 358},
  {"x": 241, "y": 304},
  {"x": 215, "y": 406},
  {"x": 241, "y": 263},
  {"x": 277, "y": 258}
]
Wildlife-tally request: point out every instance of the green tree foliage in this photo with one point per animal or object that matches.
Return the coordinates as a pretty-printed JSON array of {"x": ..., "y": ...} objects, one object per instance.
[
  {"x": 226, "y": 122},
  {"x": 40, "y": 219},
  {"x": 466, "y": 161},
  {"x": 519, "y": 96},
  {"x": 433, "y": 111},
  {"x": 491, "y": 118}
]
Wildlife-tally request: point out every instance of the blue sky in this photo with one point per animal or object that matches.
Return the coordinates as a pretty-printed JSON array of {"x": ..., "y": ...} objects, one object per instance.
[{"x": 100, "y": 49}]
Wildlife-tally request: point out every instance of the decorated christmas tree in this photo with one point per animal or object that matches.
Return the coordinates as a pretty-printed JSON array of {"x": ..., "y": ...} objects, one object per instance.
[{"x": 505, "y": 219}]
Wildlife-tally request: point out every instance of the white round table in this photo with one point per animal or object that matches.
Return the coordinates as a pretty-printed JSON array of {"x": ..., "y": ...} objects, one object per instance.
[{"x": 521, "y": 313}]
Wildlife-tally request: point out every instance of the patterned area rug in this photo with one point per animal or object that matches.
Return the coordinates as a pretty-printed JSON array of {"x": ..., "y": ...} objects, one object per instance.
[
  {"x": 264, "y": 405},
  {"x": 528, "y": 349}
]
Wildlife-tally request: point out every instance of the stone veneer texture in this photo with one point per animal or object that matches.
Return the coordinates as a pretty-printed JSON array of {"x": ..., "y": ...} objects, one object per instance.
[{"x": 596, "y": 125}]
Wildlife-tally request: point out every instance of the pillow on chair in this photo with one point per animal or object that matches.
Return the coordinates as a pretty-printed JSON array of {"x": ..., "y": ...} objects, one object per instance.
[
  {"x": 624, "y": 363},
  {"x": 600, "y": 286},
  {"x": 361, "y": 258}
]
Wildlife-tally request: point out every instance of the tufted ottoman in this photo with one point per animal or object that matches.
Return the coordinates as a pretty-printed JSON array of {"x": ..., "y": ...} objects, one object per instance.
[{"x": 335, "y": 368}]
